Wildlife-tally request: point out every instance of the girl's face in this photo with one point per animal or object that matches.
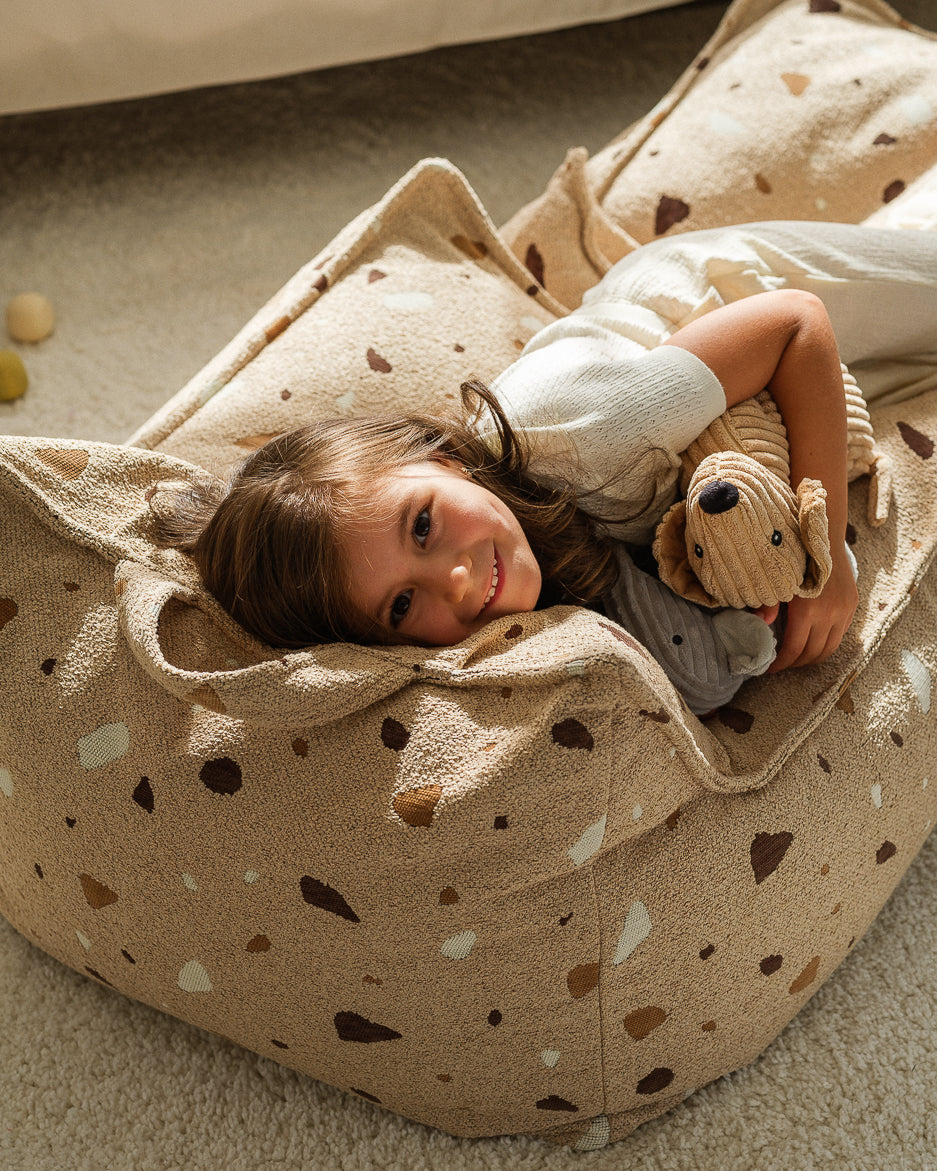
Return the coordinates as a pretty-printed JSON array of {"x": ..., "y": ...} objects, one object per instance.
[{"x": 448, "y": 557}]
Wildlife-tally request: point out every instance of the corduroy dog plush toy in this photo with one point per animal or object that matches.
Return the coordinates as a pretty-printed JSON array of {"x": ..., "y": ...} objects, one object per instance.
[{"x": 743, "y": 536}]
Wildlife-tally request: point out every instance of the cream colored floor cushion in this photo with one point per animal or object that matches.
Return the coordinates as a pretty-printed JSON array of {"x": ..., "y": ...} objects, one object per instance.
[
  {"x": 510, "y": 886},
  {"x": 795, "y": 109}
]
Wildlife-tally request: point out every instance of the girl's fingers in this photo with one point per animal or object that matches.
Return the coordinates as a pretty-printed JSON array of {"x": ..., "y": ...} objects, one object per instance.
[
  {"x": 804, "y": 643},
  {"x": 769, "y": 613},
  {"x": 815, "y": 645}
]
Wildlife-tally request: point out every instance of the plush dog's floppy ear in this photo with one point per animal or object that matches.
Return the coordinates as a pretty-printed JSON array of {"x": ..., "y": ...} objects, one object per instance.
[
  {"x": 815, "y": 534},
  {"x": 671, "y": 557}
]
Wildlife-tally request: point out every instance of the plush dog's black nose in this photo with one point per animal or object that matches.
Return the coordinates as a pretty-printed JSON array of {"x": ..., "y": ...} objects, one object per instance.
[{"x": 718, "y": 497}]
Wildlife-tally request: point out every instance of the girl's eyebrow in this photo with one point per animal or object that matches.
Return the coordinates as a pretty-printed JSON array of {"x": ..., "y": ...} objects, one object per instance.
[{"x": 403, "y": 521}]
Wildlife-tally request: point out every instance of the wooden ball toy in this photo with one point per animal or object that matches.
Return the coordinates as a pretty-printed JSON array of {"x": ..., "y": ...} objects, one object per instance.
[
  {"x": 13, "y": 376},
  {"x": 30, "y": 317}
]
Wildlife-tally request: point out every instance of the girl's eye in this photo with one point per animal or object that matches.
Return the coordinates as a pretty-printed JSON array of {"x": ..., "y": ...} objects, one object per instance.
[
  {"x": 422, "y": 525},
  {"x": 399, "y": 608}
]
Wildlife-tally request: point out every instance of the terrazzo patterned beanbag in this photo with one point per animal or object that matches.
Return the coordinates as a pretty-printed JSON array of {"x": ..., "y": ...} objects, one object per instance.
[
  {"x": 509, "y": 886},
  {"x": 795, "y": 109}
]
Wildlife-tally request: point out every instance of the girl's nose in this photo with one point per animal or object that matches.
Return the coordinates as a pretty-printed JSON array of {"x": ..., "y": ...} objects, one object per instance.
[{"x": 453, "y": 578}]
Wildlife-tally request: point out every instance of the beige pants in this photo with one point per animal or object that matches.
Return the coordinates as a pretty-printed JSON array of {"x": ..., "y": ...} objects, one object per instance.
[{"x": 879, "y": 286}]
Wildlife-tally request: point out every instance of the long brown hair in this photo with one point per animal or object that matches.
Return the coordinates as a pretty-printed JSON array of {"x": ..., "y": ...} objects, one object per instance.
[{"x": 268, "y": 542}]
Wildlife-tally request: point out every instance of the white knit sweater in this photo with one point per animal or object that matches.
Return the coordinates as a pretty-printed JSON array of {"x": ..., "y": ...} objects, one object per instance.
[{"x": 596, "y": 392}]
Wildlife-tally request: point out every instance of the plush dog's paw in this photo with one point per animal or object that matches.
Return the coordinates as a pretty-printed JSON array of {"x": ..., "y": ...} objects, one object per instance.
[{"x": 748, "y": 641}]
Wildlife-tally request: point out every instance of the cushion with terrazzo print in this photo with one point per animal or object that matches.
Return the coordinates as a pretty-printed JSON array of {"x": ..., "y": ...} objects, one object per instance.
[
  {"x": 511, "y": 886},
  {"x": 416, "y": 295},
  {"x": 795, "y": 109}
]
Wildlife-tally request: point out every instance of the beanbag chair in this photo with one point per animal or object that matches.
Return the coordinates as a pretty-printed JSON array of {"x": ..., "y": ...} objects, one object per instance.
[{"x": 511, "y": 886}]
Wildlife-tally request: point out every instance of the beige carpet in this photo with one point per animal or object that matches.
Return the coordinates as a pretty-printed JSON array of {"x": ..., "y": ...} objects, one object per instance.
[{"x": 157, "y": 228}]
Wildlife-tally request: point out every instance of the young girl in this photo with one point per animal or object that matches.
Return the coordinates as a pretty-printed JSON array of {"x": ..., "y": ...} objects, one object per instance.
[{"x": 416, "y": 529}]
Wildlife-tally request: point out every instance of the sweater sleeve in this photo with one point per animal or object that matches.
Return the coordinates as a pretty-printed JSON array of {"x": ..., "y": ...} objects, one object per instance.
[{"x": 594, "y": 403}]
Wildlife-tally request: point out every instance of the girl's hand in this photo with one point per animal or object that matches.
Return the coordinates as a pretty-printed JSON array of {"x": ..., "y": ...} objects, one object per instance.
[{"x": 815, "y": 626}]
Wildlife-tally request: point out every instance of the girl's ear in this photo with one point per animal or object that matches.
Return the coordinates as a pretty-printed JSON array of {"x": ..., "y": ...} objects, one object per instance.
[
  {"x": 671, "y": 557},
  {"x": 815, "y": 534}
]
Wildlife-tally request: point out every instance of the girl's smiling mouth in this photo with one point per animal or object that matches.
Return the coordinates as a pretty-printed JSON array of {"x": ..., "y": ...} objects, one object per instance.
[{"x": 497, "y": 581}]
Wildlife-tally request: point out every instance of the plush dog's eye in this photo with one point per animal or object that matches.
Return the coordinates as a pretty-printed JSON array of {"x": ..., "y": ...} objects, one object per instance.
[
  {"x": 698, "y": 550},
  {"x": 775, "y": 538}
]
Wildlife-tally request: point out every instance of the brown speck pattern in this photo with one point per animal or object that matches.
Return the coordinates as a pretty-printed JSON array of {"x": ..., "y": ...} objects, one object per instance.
[
  {"x": 644, "y": 1020},
  {"x": 221, "y": 775},
  {"x": 320, "y": 894},
  {"x": 657, "y": 1080},
  {"x": 97, "y": 894},
  {"x": 377, "y": 362},
  {"x": 68, "y": 464},
  {"x": 919, "y": 443},
  {"x": 394, "y": 735},
  {"x": 417, "y": 806},
  {"x": 534, "y": 262},
  {"x": 352, "y": 1026},
  {"x": 670, "y": 211},
  {"x": 767, "y": 853},
  {"x": 572, "y": 734},
  {"x": 8, "y": 611},
  {"x": 582, "y": 979},
  {"x": 276, "y": 328},
  {"x": 473, "y": 249},
  {"x": 555, "y": 1102},
  {"x": 806, "y": 977},
  {"x": 143, "y": 795},
  {"x": 893, "y": 190}
]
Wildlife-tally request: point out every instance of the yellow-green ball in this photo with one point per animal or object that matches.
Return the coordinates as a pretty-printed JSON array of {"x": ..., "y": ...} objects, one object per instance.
[
  {"x": 13, "y": 376},
  {"x": 30, "y": 317}
]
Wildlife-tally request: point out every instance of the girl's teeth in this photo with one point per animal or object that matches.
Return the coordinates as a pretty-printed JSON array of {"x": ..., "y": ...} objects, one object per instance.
[{"x": 494, "y": 583}]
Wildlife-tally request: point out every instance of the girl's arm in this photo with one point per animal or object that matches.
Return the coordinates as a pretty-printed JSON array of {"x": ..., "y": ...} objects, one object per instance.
[{"x": 783, "y": 341}]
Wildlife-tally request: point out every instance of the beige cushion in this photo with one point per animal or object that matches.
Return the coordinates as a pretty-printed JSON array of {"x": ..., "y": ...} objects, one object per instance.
[
  {"x": 422, "y": 294},
  {"x": 795, "y": 109},
  {"x": 509, "y": 886}
]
